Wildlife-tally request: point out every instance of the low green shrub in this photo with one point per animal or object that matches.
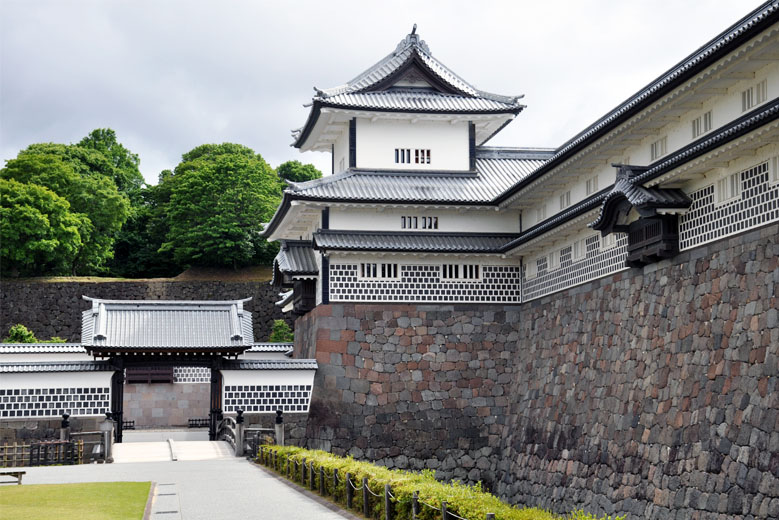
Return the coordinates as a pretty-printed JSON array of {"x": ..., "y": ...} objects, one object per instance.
[{"x": 468, "y": 502}]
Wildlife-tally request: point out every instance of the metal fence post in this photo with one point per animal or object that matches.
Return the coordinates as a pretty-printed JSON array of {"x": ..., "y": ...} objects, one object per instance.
[
  {"x": 322, "y": 480},
  {"x": 349, "y": 490},
  {"x": 444, "y": 514},
  {"x": 303, "y": 471},
  {"x": 311, "y": 477},
  {"x": 239, "y": 433},
  {"x": 365, "y": 497},
  {"x": 279, "y": 428},
  {"x": 387, "y": 514},
  {"x": 414, "y": 505},
  {"x": 335, "y": 481},
  {"x": 289, "y": 462}
]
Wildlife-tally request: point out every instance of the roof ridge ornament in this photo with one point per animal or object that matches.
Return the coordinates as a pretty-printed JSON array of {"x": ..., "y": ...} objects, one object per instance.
[{"x": 412, "y": 39}]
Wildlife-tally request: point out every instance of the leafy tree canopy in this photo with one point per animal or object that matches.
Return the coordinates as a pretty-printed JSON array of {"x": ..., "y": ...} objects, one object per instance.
[
  {"x": 136, "y": 253},
  {"x": 123, "y": 162},
  {"x": 38, "y": 233},
  {"x": 220, "y": 193},
  {"x": 296, "y": 171},
  {"x": 83, "y": 177}
]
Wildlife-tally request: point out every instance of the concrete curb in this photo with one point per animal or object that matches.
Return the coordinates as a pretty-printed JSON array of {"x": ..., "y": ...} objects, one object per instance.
[{"x": 149, "y": 499}]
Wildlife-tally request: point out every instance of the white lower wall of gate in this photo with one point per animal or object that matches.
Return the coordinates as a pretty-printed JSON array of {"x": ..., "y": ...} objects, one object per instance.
[
  {"x": 50, "y": 394},
  {"x": 263, "y": 391}
]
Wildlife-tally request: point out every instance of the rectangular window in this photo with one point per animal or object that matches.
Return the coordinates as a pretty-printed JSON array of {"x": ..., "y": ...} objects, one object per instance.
[
  {"x": 405, "y": 156},
  {"x": 460, "y": 271},
  {"x": 554, "y": 260},
  {"x": 402, "y": 156},
  {"x": 592, "y": 185},
  {"x": 371, "y": 270},
  {"x": 774, "y": 166},
  {"x": 609, "y": 241},
  {"x": 415, "y": 222},
  {"x": 531, "y": 270},
  {"x": 729, "y": 188},
  {"x": 579, "y": 250},
  {"x": 565, "y": 199},
  {"x": 658, "y": 148},
  {"x": 701, "y": 124},
  {"x": 754, "y": 95}
]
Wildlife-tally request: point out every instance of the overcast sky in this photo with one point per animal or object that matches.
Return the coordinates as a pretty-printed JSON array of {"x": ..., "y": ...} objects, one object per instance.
[{"x": 171, "y": 75}]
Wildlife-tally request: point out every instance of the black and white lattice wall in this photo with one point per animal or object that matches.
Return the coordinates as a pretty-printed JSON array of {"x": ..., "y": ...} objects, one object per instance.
[
  {"x": 289, "y": 398},
  {"x": 54, "y": 401},
  {"x": 565, "y": 271},
  {"x": 753, "y": 201},
  {"x": 424, "y": 283},
  {"x": 191, "y": 375}
]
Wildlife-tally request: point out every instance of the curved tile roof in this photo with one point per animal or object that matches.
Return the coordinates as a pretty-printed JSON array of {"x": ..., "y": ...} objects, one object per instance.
[
  {"x": 55, "y": 366},
  {"x": 270, "y": 364},
  {"x": 41, "y": 348},
  {"x": 493, "y": 176},
  {"x": 417, "y": 242}
]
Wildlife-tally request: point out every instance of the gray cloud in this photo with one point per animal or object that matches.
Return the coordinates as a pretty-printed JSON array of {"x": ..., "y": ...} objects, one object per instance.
[{"x": 168, "y": 76}]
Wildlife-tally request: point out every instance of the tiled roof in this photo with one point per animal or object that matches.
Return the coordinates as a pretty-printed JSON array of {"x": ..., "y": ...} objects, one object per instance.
[
  {"x": 55, "y": 366},
  {"x": 270, "y": 347},
  {"x": 296, "y": 257},
  {"x": 41, "y": 348},
  {"x": 149, "y": 324},
  {"x": 270, "y": 364},
  {"x": 411, "y": 241},
  {"x": 410, "y": 48},
  {"x": 639, "y": 197},
  {"x": 415, "y": 100},
  {"x": 494, "y": 175}
]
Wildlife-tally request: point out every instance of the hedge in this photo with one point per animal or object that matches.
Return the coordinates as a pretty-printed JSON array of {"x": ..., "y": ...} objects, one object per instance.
[{"x": 467, "y": 502}]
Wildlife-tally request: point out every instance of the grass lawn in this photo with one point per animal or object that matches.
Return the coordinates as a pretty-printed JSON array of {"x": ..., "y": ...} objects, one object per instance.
[{"x": 92, "y": 501}]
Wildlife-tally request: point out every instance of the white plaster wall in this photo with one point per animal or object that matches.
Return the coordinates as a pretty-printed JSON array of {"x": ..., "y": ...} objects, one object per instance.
[
  {"x": 263, "y": 355},
  {"x": 56, "y": 379},
  {"x": 377, "y": 140},
  {"x": 268, "y": 377},
  {"x": 341, "y": 152},
  {"x": 724, "y": 107},
  {"x": 466, "y": 221}
]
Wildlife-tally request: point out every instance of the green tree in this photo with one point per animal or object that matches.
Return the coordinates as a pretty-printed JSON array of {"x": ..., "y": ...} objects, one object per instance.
[
  {"x": 79, "y": 176},
  {"x": 38, "y": 233},
  {"x": 281, "y": 333},
  {"x": 296, "y": 171},
  {"x": 220, "y": 193},
  {"x": 136, "y": 253},
  {"x": 123, "y": 163}
]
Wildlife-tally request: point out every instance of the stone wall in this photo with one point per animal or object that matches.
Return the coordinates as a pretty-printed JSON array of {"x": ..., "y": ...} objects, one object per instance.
[
  {"x": 54, "y": 308},
  {"x": 22, "y": 431},
  {"x": 166, "y": 405},
  {"x": 651, "y": 393}
]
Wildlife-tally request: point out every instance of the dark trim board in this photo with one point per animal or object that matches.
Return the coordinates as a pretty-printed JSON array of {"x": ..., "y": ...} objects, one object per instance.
[
  {"x": 325, "y": 280},
  {"x": 353, "y": 142},
  {"x": 471, "y": 145}
]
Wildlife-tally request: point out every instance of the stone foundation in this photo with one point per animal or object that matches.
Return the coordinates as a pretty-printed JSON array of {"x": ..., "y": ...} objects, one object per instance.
[
  {"x": 651, "y": 393},
  {"x": 23, "y": 431}
]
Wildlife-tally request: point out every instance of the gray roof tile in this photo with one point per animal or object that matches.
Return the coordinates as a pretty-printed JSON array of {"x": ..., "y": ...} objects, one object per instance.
[
  {"x": 55, "y": 366},
  {"x": 41, "y": 348},
  {"x": 415, "y": 100},
  {"x": 270, "y": 347},
  {"x": 494, "y": 175},
  {"x": 412, "y": 241},
  {"x": 296, "y": 257},
  {"x": 270, "y": 364},
  {"x": 166, "y": 324}
]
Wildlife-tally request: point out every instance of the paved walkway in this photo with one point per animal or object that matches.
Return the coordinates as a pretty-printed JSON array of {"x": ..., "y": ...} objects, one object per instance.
[{"x": 225, "y": 488}]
